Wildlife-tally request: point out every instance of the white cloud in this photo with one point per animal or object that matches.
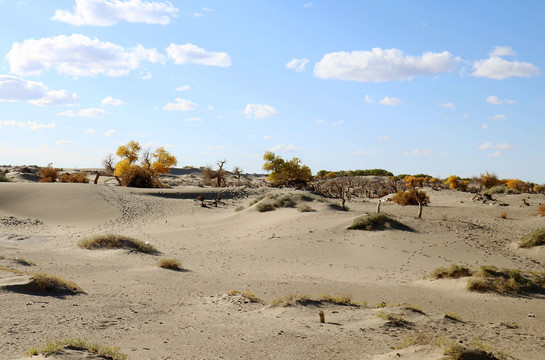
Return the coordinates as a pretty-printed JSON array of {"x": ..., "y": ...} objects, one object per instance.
[
  {"x": 484, "y": 127},
  {"x": 319, "y": 121},
  {"x": 308, "y": 5},
  {"x": 384, "y": 137},
  {"x": 180, "y": 105},
  {"x": 77, "y": 55},
  {"x": 60, "y": 142},
  {"x": 192, "y": 54},
  {"x": 90, "y": 112},
  {"x": 110, "y": 12},
  {"x": 146, "y": 76},
  {"x": 489, "y": 145},
  {"x": 252, "y": 136},
  {"x": 497, "y": 154},
  {"x": 497, "y": 68},
  {"x": 388, "y": 101},
  {"x": 267, "y": 137},
  {"x": 368, "y": 99},
  {"x": 502, "y": 51},
  {"x": 258, "y": 111},
  {"x": 420, "y": 152},
  {"x": 14, "y": 89},
  {"x": 285, "y": 148},
  {"x": 30, "y": 125},
  {"x": 498, "y": 117},
  {"x": 183, "y": 88},
  {"x": 109, "y": 133},
  {"x": 497, "y": 101},
  {"x": 111, "y": 101},
  {"x": 448, "y": 105},
  {"x": 297, "y": 64},
  {"x": 193, "y": 119},
  {"x": 340, "y": 122},
  {"x": 90, "y": 131},
  {"x": 444, "y": 154},
  {"x": 380, "y": 65}
]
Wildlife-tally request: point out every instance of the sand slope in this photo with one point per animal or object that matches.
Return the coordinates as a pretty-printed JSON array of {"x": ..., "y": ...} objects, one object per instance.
[{"x": 153, "y": 313}]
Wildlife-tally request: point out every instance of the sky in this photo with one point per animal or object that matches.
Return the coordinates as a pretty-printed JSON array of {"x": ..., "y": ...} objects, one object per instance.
[{"x": 435, "y": 87}]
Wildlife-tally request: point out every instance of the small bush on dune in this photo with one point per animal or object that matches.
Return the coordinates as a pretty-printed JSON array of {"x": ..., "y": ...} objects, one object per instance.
[
  {"x": 139, "y": 177},
  {"x": 170, "y": 264},
  {"x": 408, "y": 198},
  {"x": 452, "y": 272},
  {"x": 48, "y": 174},
  {"x": 74, "y": 178},
  {"x": 283, "y": 201},
  {"x": 112, "y": 241},
  {"x": 535, "y": 238},
  {"x": 58, "y": 346},
  {"x": 377, "y": 221},
  {"x": 265, "y": 206},
  {"x": 291, "y": 300},
  {"x": 304, "y": 208},
  {"x": 339, "y": 300},
  {"x": 55, "y": 283},
  {"x": 541, "y": 210},
  {"x": 239, "y": 208},
  {"x": 4, "y": 178},
  {"x": 499, "y": 189}
]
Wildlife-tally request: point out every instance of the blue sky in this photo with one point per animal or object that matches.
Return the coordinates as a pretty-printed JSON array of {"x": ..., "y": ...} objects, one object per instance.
[{"x": 440, "y": 87}]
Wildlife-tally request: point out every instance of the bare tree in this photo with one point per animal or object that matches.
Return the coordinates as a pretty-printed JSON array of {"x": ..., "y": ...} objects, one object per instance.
[
  {"x": 220, "y": 173},
  {"x": 238, "y": 172},
  {"x": 109, "y": 167}
]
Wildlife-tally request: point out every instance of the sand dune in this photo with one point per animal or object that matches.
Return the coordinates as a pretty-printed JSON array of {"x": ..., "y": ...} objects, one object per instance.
[{"x": 154, "y": 313}]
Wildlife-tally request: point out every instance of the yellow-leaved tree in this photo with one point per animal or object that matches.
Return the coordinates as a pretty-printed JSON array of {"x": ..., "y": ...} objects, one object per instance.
[
  {"x": 285, "y": 172},
  {"x": 142, "y": 169}
]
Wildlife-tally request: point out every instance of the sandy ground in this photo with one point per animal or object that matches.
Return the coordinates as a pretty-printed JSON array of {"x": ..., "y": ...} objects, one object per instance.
[{"x": 154, "y": 313}]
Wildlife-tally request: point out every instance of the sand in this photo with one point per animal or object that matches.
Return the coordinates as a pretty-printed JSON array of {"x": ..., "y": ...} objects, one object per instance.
[{"x": 154, "y": 313}]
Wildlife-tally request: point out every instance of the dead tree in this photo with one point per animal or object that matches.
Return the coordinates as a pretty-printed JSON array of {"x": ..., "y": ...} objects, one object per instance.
[{"x": 220, "y": 174}]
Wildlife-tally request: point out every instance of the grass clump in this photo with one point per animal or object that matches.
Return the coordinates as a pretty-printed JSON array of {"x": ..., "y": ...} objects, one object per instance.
[
  {"x": 339, "y": 300},
  {"x": 111, "y": 241},
  {"x": 292, "y": 300},
  {"x": 246, "y": 294},
  {"x": 170, "y": 264},
  {"x": 392, "y": 319},
  {"x": 377, "y": 221},
  {"x": 541, "y": 210},
  {"x": 4, "y": 178},
  {"x": 239, "y": 208},
  {"x": 15, "y": 271},
  {"x": 304, "y": 208},
  {"x": 500, "y": 189},
  {"x": 55, "y": 283},
  {"x": 535, "y": 238},
  {"x": 58, "y": 346},
  {"x": 264, "y": 207},
  {"x": 452, "y": 272}
]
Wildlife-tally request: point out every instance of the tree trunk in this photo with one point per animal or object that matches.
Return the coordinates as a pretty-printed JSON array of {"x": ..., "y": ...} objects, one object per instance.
[{"x": 419, "y": 202}]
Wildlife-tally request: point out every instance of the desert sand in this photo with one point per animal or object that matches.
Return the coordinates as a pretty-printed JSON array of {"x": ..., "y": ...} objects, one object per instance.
[{"x": 154, "y": 313}]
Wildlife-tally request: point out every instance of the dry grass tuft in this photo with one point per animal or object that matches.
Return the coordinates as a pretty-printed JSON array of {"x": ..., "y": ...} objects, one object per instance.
[
  {"x": 503, "y": 214},
  {"x": 58, "y": 346},
  {"x": 55, "y": 283},
  {"x": 111, "y": 241},
  {"x": 541, "y": 210},
  {"x": 393, "y": 319},
  {"x": 292, "y": 300},
  {"x": 264, "y": 207},
  {"x": 408, "y": 198},
  {"x": 239, "y": 208},
  {"x": 339, "y": 300},
  {"x": 452, "y": 272},
  {"x": 246, "y": 294},
  {"x": 170, "y": 264},
  {"x": 535, "y": 238},
  {"x": 304, "y": 208}
]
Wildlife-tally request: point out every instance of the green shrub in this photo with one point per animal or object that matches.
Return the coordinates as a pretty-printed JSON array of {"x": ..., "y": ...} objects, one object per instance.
[
  {"x": 535, "y": 238},
  {"x": 111, "y": 241}
]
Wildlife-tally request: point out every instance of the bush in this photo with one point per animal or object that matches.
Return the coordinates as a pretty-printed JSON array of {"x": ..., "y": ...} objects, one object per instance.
[
  {"x": 304, "y": 208},
  {"x": 541, "y": 210},
  {"x": 489, "y": 180},
  {"x": 535, "y": 238},
  {"x": 170, "y": 264},
  {"x": 285, "y": 172},
  {"x": 112, "y": 241},
  {"x": 540, "y": 189},
  {"x": 408, "y": 198},
  {"x": 500, "y": 189},
  {"x": 48, "y": 174},
  {"x": 239, "y": 208},
  {"x": 55, "y": 283},
  {"x": 139, "y": 177},
  {"x": 452, "y": 272},
  {"x": 74, "y": 178},
  {"x": 376, "y": 221},
  {"x": 4, "y": 178},
  {"x": 265, "y": 206}
]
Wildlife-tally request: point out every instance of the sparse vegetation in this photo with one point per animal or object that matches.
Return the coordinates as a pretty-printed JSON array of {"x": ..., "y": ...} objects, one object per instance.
[
  {"x": 265, "y": 206},
  {"x": 48, "y": 174},
  {"x": 74, "y": 178},
  {"x": 339, "y": 300},
  {"x": 491, "y": 279},
  {"x": 377, "y": 221},
  {"x": 292, "y": 300},
  {"x": 452, "y": 272},
  {"x": 541, "y": 210},
  {"x": 4, "y": 178},
  {"x": 408, "y": 198},
  {"x": 250, "y": 296},
  {"x": 453, "y": 316},
  {"x": 170, "y": 264},
  {"x": 55, "y": 283},
  {"x": 535, "y": 238},
  {"x": 239, "y": 208},
  {"x": 499, "y": 189},
  {"x": 58, "y": 346},
  {"x": 304, "y": 208},
  {"x": 392, "y": 319},
  {"x": 111, "y": 241}
]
